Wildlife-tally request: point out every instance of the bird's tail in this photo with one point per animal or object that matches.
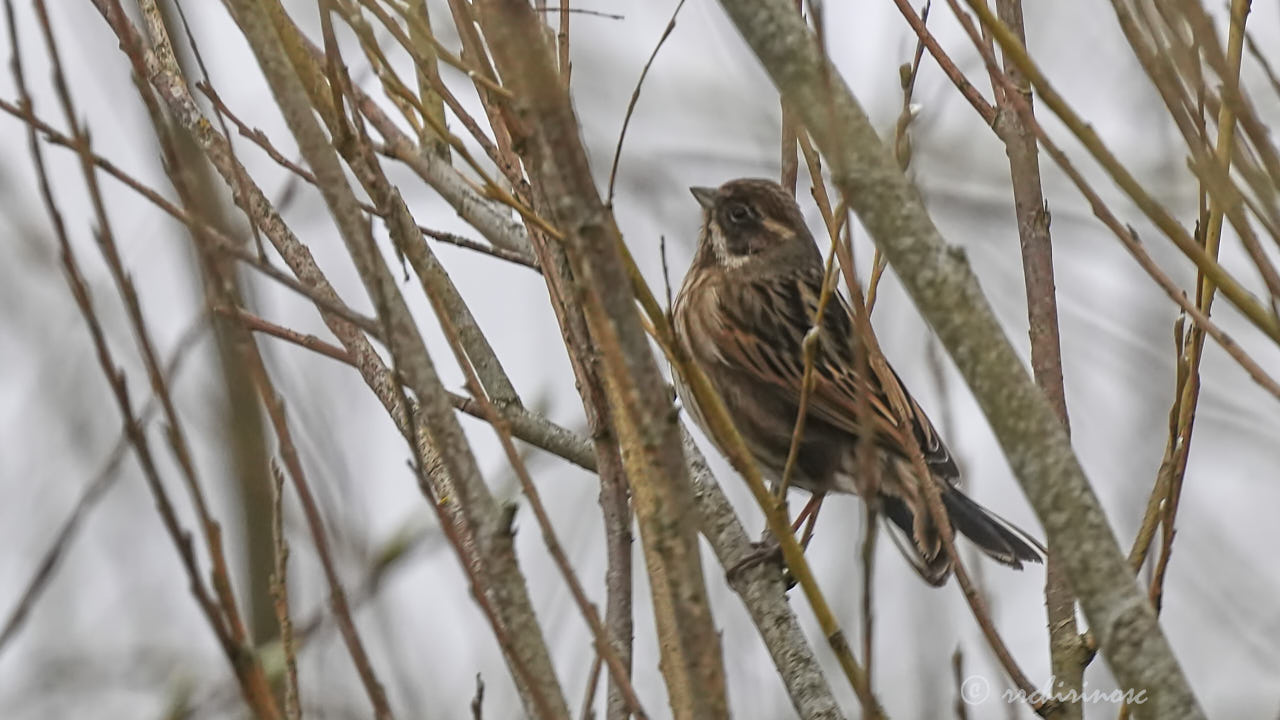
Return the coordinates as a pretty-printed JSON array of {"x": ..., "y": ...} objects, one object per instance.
[{"x": 918, "y": 539}]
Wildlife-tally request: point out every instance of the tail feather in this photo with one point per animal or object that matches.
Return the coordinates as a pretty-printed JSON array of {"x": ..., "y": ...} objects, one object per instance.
[
  {"x": 917, "y": 537},
  {"x": 993, "y": 535}
]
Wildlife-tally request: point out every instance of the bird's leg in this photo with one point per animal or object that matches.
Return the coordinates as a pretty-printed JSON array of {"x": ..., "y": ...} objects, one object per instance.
[
  {"x": 811, "y": 512},
  {"x": 769, "y": 549},
  {"x": 804, "y": 513},
  {"x": 808, "y": 513}
]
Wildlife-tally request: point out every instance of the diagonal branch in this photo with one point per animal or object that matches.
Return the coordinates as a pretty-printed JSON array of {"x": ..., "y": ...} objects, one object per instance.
[
  {"x": 946, "y": 291},
  {"x": 475, "y": 504},
  {"x": 542, "y": 122},
  {"x": 764, "y": 594}
]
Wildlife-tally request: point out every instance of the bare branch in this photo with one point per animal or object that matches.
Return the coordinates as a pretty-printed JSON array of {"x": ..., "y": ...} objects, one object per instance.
[
  {"x": 94, "y": 490},
  {"x": 635, "y": 97},
  {"x": 549, "y": 136},
  {"x": 474, "y": 504},
  {"x": 280, "y": 595},
  {"x": 764, "y": 594},
  {"x": 946, "y": 292},
  {"x": 1067, "y": 654},
  {"x": 248, "y": 671}
]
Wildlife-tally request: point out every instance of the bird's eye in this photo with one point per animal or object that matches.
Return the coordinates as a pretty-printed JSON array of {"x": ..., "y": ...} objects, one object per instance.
[{"x": 739, "y": 213}]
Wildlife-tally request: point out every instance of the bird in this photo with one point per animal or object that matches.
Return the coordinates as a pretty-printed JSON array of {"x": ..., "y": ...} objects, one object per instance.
[{"x": 742, "y": 313}]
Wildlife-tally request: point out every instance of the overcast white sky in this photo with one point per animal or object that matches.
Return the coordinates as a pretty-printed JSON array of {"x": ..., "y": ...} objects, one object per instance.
[{"x": 117, "y": 634}]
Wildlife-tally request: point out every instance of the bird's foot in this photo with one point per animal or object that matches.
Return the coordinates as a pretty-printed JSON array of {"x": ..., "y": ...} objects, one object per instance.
[{"x": 768, "y": 550}]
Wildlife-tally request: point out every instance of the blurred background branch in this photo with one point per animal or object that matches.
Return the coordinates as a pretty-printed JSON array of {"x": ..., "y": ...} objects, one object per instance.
[{"x": 469, "y": 143}]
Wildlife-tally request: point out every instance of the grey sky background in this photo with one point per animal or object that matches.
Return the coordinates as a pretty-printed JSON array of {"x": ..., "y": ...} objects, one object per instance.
[{"x": 118, "y": 634}]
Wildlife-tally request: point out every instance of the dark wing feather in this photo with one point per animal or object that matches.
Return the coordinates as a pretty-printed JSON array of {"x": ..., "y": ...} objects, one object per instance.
[{"x": 763, "y": 330}]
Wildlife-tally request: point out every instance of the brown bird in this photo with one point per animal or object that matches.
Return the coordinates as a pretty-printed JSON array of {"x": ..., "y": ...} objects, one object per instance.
[{"x": 746, "y": 304}]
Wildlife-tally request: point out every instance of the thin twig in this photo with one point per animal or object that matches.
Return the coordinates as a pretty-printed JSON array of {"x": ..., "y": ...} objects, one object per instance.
[
  {"x": 589, "y": 695},
  {"x": 1263, "y": 63},
  {"x": 961, "y": 704},
  {"x": 1244, "y": 300},
  {"x": 1043, "y": 706},
  {"x": 562, "y": 43},
  {"x": 966, "y": 88},
  {"x": 1129, "y": 238},
  {"x": 280, "y": 594},
  {"x": 207, "y": 81},
  {"x": 249, "y": 674},
  {"x": 223, "y": 243},
  {"x": 528, "y": 426},
  {"x": 434, "y": 120},
  {"x": 869, "y": 536},
  {"x": 259, "y": 138},
  {"x": 635, "y": 97},
  {"x": 666, "y": 272},
  {"x": 809, "y": 348},
  {"x": 1067, "y": 655},
  {"x": 477, "y": 700},
  {"x": 94, "y": 490},
  {"x": 274, "y": 406},
  {"x": 311, "y": 342},
  {"x": 584, "y": 11},
  {"x": 1189, "y": 387}
]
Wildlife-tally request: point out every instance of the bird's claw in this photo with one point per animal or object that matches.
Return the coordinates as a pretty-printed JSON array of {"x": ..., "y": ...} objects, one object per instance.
[{"x": 768, "y": 550}]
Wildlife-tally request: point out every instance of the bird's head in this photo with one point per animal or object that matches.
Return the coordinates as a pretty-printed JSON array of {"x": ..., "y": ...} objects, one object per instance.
[{"x": 751, "y": 223}]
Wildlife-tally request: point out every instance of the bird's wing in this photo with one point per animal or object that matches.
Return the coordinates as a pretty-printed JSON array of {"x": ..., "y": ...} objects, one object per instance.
[{"x": 762, "y": 330}]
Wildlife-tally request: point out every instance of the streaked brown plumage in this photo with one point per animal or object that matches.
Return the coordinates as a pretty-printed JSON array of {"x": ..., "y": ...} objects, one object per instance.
[{"x": 742, "y": 313}]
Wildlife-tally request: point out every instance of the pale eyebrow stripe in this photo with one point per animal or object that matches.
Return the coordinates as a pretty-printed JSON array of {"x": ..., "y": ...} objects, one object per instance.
[{"x": 778, "y": 228}]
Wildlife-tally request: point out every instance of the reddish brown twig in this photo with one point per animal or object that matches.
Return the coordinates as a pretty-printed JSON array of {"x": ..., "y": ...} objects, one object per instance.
[
  {"x": 274, "y": 406},
  {"x": 224, "y": 620},
  {"x": 1067, "y": 654},
  {"x": 953, "y": 73}
]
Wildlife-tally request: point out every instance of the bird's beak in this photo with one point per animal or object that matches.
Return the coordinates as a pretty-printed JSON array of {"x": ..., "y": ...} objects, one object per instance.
[{"x": 705, "y": 196}]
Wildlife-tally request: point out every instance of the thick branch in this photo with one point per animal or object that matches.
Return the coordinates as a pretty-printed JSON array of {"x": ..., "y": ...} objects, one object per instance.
[
  {"x": 947, "y": 293},
  {"x": 764, "y": 594},
  {"x": 543, "y": 125},
  {"x": 475, "y": 505}
]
